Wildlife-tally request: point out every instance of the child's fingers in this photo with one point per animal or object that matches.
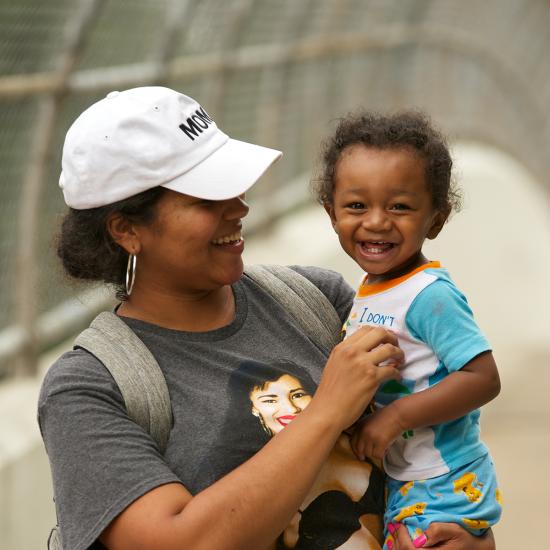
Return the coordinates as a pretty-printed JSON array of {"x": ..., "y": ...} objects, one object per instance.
[
  {"x": 378, "y": 451},
  {"x": 358, "y": 449},
  {"x": 359, "y": 454},
  {"x": 357, "y": 444}
]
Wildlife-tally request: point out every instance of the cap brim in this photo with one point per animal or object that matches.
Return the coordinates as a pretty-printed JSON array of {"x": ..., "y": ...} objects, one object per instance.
[{"x": 228, "y": 172}]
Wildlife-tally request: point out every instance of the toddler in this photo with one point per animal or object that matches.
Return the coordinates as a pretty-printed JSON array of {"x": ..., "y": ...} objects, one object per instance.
[{"x": 386, "y": 185}]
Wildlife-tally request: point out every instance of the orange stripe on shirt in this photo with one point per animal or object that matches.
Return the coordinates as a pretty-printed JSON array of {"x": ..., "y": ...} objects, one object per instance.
[{"x": 368, "y": 290}]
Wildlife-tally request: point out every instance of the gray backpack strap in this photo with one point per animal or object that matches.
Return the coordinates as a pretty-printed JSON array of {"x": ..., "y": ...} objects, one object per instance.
[
  {"x": 138, "y": 377},
  {"x": 303, "y": 300},
  {"x": 54, "y": 540},
  {"x": 135, "y": 371}
]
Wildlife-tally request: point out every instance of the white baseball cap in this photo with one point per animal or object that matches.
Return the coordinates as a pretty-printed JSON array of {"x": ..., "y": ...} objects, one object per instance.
[{"x": 141, "y": 138}]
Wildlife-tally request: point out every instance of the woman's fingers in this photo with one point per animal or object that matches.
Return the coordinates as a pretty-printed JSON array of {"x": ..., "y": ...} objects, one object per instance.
[
  {"x": 371, "y": 337},
  {"x": 450, "y": 536},
  {"x": 439, "y": 532},
  {"x": 387, "y": 372},
  {"x": 453, "y": 537},
  {"x": 386, "y": 352},
  {"x": 355, "y": 369},
  {"x": 381, "y": 344},
  {"x": 401, "y": 538}
]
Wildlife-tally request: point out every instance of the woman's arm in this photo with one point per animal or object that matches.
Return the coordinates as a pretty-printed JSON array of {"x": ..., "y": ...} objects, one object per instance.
[
  {"x": 447, "y": 536},
  {"x": 250, "y": 507},
  {"x": 457, "y": 394}
]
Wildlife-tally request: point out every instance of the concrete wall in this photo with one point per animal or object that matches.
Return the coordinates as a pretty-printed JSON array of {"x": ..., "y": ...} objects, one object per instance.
[{"x": 26, "y": 506}]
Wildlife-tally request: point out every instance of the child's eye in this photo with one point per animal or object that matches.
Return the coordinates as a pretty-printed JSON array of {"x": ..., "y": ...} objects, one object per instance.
[
  {"x": 400, "y": 206},
  {"x": 356, "y": 205}
]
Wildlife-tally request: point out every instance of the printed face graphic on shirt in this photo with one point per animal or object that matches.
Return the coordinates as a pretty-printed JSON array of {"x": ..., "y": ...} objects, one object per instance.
[
  {"x": 276, "y": 403},
  {"x": 345, "y": 503}
]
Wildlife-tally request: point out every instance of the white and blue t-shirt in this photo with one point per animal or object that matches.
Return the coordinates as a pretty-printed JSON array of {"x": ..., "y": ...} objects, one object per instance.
[{"x": 437, "y": 332}]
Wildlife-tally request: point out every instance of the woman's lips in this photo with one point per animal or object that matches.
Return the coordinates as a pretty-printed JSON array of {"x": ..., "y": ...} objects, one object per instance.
[
  {"x": 229, "y": 239},
  {"x": 236, "y": 247},
  {"x": 286, "y": 419}
]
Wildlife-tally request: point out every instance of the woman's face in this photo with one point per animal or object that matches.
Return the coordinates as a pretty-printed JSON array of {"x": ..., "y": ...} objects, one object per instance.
[
  {"x": 278, "y": 402},
  {"x": 193, "y": 244}
]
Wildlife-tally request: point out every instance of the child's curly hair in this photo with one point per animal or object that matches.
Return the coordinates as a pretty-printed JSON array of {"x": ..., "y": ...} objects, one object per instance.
[{"x": 407, "y": 129}]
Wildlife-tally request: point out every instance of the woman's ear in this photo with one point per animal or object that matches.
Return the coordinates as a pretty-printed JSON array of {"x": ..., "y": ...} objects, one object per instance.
[
  {"x": 123, "y": 233},
  {"x": 329, "y": 208},
  {"x": 438, "y": 222}
]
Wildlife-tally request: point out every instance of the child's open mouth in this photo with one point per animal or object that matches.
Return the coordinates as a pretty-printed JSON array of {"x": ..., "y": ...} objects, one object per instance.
[{"x": 376, "y": 247}]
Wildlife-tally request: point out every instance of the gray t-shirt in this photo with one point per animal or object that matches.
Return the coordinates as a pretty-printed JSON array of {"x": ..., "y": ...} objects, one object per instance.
[{"x": 102, "y": 461}]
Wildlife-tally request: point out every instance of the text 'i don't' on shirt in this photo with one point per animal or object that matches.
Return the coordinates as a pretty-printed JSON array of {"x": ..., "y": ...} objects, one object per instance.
[{"x": 438, "y": 335}]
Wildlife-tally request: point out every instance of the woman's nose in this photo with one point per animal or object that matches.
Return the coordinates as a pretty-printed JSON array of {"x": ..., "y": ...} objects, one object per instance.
[{"x": 236, "y": 208}]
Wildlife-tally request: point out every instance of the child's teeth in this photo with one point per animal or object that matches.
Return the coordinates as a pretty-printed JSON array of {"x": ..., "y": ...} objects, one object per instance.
[{"x": 373, "y": 249}]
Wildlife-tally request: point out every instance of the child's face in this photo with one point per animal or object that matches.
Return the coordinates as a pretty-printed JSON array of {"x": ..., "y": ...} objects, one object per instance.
[{"x": 382, "y": 209}]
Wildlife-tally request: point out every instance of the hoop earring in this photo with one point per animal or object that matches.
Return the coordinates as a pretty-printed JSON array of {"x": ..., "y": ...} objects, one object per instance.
[{"x": 130, "y": 273}]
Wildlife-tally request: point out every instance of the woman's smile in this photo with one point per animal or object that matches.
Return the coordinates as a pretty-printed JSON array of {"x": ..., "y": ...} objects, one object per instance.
[
  {"x": 232, "y": 242},
  {"x": 231, "y": 239}
]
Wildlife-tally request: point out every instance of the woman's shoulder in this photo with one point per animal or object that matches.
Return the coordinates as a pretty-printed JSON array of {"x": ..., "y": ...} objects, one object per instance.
[
  {"x": 331, "y": 284},
  {"x": 76, "y": 371},
  {"x": 320, "y": 276}
]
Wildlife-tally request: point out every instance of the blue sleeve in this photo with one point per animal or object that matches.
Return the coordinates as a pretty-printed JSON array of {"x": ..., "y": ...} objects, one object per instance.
[{"x": 441, "y": 317}]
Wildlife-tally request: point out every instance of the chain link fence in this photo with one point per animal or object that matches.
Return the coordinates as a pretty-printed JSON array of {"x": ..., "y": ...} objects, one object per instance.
[{"x": 275, "y": 72}]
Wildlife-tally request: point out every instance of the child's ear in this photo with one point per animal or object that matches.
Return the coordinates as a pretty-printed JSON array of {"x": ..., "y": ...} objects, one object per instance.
[
  {"x": 437, "y": 224},
  {"x": 329, "y": 207}
]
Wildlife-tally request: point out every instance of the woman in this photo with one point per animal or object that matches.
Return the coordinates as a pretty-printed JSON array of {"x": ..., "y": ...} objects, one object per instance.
[{"x": 156, "y": 197}]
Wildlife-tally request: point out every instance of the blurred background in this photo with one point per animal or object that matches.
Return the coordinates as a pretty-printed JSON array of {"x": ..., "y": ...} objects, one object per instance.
[{"x": 279, "y": 73}]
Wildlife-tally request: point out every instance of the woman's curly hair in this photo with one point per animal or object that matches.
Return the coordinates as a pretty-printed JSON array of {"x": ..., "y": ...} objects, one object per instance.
[
  {"x": 85, "y": 247},
  {"x": 411, "y": 130}
]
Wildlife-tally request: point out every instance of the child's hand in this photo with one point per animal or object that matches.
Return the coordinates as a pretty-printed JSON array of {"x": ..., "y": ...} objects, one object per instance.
[{"x": 376, "y": 433}]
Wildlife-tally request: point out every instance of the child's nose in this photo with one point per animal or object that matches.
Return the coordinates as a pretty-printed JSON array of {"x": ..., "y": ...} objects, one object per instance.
[{"x": 376, "y": 219}]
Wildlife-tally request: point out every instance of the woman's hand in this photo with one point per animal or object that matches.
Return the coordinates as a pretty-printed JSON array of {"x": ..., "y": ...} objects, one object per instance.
[
  {"x": 448, "y": 536},
  {"x": 353, "y": 373}
]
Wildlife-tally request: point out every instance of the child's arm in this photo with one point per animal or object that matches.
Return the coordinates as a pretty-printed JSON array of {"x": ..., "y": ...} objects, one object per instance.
[{"x": 456, "y": 395}]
